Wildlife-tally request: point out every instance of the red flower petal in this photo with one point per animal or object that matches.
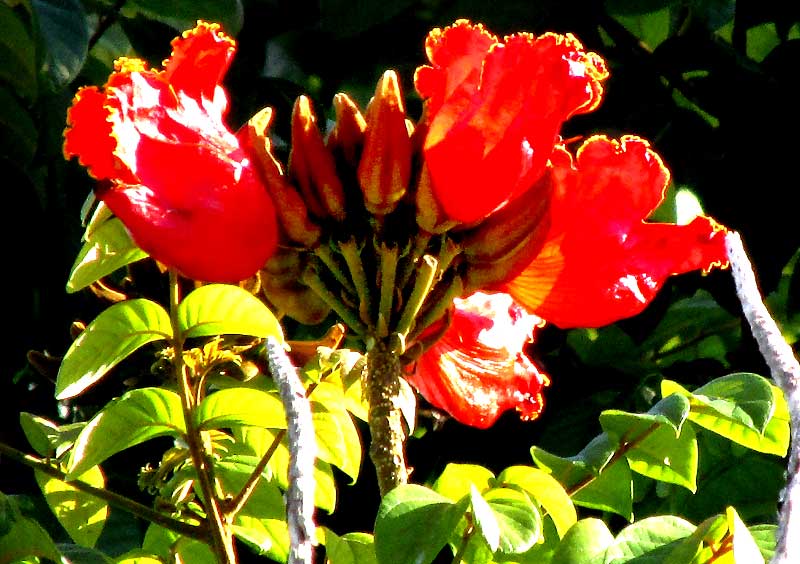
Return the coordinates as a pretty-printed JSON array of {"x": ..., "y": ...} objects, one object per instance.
[
  {"x": 601, "y": 261},
  {"x": 180, "y": 180},
  {"x": 478, "y": 370},
  {"x": 498, "y": 107}
]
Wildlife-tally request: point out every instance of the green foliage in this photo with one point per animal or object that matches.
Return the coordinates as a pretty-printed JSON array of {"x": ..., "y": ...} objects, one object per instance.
[{"x": 688, "y": 473}]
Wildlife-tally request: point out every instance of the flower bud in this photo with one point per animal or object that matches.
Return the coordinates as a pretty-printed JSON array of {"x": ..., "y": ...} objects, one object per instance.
[
  {"x": 385, "y": 168},
  {"x": 291, "y": 210},
  {"x": 347, "y": 137},
  {"x": 312, "y": 166},
  {"x": 282, "y": 289}
]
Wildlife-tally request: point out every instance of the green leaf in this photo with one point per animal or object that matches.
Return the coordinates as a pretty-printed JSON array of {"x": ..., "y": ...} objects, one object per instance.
[
  {"x": 585, "y": 540},
  {"x": 484, "y": 519},
  {"x": 21, "y": 537},
  {"x": 234, "y": 407},
  {"x": 255, "y": 441},
  {"x": 107, "y": 249},
  {"x": 761, "y": 40},
  {"x": 82, "y": 515},
  {"x": 182, "y": 14},
  {"x": 137, "y": 416},
  {"x": 338, "y": 440},
  {"x": 115, "y": 334},
  {"x": 18, "y": 53},
  {"x": 656, "y": 445},
  {"x": 352, "y": 548},
  {"x": 751, "y": 393},
  {"x": 590, "y": 479},
  {"x": 738, "y": 415},
  {"x": 546, "y": 490},
  {"x": 64, "y": 31},
  {"x": 651, "y": 28},
  {"x": 457, "y": 480},
  {"x": 224, "y": 309},
  {"x": 645, "y": 541},
  {"x": 47, "y": 438},
  {"x": 765, "y": 537},
  {"x": 689, "y": 327},
  {"x": 413, "y": 524},
  {"x": 169, "y": 546},
  {"x": 262, "y": 521},
  {"x": 745, "y": 548},
  {"x": 518, "y": 519}
]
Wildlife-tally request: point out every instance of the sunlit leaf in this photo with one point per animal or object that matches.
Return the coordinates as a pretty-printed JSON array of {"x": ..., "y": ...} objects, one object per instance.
[
  {"x": 115, "y": 334},
  {"x": 240, "y": 406},
  {"x": 262, "y": 521},
  {"x": 338, "y": 440},
  {"x": 82, "y": 515},
  {"x": 584, "y": 540},
  {"x": 648, "y": 540},
  {"x": 518, "y": 519},
  {"x": 546, "y": 490},
  {"x": 220, "y": 309},
  {"x": 257, "y": 441},
  {"x": 658, "y": 445},
  {"x": 352, "y": 548},
  {"x": 414, "y": 512},
  {"x": 22, "y": 537},
  {"x": 107, "y": 249},
  {"x": 456, "y": 480},
  {"x": 484, "y": 519},
  {"x": 738, "y": 414},
  {"x": 609, "y": 490},
  {"x": 137, "y": 416}
]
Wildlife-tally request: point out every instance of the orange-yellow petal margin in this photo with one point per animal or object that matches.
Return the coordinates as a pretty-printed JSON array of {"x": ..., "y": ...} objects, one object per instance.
[{"x": 495, "y": 109}]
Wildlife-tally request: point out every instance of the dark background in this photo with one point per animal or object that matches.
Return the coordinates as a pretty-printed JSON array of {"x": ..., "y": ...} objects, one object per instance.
[{"x": 709, "y": 82}]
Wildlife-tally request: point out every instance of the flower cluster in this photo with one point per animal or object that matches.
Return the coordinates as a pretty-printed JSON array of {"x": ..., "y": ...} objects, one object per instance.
[{"x": 396, "y": 226}]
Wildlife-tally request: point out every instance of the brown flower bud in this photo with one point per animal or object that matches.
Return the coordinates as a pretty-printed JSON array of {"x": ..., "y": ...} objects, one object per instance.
[
  {"x": 347, "y": 136},
  {"x": 292, "y": 211},
  {"x": 385, "y": 168},
  {"x": 312, "y": 166}
]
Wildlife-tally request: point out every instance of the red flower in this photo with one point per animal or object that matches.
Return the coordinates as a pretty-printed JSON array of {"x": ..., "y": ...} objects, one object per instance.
[
  {"x": 601, "y": 261},
  {"x": 498, "y": 106},
  {"x": 176, "y": 176},
  {"x": 477, "y": 369}
]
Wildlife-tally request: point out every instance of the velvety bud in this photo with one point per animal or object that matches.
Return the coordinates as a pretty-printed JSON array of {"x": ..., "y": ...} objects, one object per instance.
[
  {"x": 286, "y": 294},
  {"x": 347, "y": 136},
  {"x": 430, "y": 215},
  {"x": 290, "y": 207},
  {"x": 385, "y": 168},
  {"x": 311, "y": 165}
]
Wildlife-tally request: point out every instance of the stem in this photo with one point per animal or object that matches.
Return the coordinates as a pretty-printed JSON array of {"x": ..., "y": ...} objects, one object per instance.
[
  {"x": 624, "y": 447},
  {"x": 462, "y": 548},
  {"x": 324, "y": 254},
  {"x": 385, "y": 417},
  {"x": 785, "y": 371},
  {"x": 312, "y": 280},
  {"x": 197, "y": 532},
  {"x": 388, "y": 259},
  {"x": 234, "y": 505},
  {"x": 354, "y": 264},
  {"x": 422, "y": 286},
  {"x": 221, "y": 535}
]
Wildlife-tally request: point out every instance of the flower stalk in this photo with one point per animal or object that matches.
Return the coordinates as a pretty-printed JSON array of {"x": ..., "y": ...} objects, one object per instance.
[
  {"x": 387, "y": 450},
  {"x": 221, "y": 540}
]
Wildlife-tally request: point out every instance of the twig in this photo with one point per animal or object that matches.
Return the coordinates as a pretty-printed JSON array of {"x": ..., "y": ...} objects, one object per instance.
[
  {"x": 302, "y": 452},
  {"x": 197, "y": 532},
  {"x": 786, "y": 372}
]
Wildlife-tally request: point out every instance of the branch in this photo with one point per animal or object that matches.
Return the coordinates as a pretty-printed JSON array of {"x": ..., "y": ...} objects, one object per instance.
[
  {"x": 197, "y": 532},
  {"x": 786, "y": 372},
  {"x": 302, "y": 452}
]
